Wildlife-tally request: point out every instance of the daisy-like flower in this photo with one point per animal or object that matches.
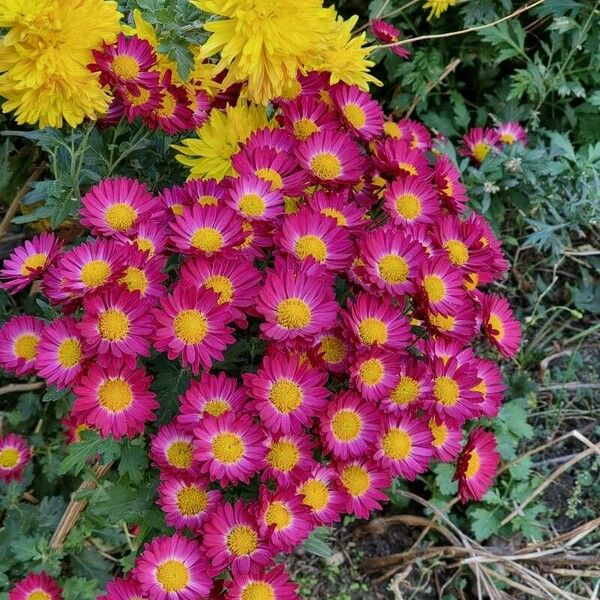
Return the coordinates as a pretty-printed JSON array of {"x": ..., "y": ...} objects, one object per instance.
[
  {"x": 336, "y": 206},
  {"x": 295, "y": 306},
  {"x": 283, "y": 518},
  {"x": 254, "y": 200},
  {"x": 388, "y": 34},
  {"x": 446, "y": 177},
  {"x": 36, "y": 586},
  {"x": 375, "y": 321},
  {"x": 274, "y": 139},
  {"x": 258, "y": 238},
  {"x": 128, "y": 62},
  {"x": 287, "y": 393},
  {"x": 232, "y": 539},
  {"x": 441, "y": 285},
  {"x": 511, "y": 132},
  {"x": 29, "y": 261},
  {"x": 358, "y": 111},
  {"x": 374, "y": 372},
  {"x": 143, "y": 275},
  {"x": 460, "y": 325},
  {"x": 306, "y": 116},
  {"x": 396, "y": 158},
  {"x": 500, "y": 325},
  {"x": 140, "y": 102},
  {"x": 207, "y": 230},
  {"x": 262, "y": 585},
  {"x": 391, "y": 260},
  {"x": 491, "y": 387},
  {"x": 362, "y": 482},
  {"x": 205, "y": 192},
  {"x": 174, "y": 199},
  {"x": 149, "y": 237},
  {"x": 213, "y": 395},
  {"x": 61, "y": 353},
  {"x": 461, "y": 244},
  {"x": 190, "y": 324},
  {"x": 116, "y": 205},
  {"x": 332, "y": 350},
  {"x": 322, "y": 496},
  {"x": 19, "y": 344},
  {"x": 187, "y": 502},
  {"x": 173, "y": 114},
  {"x": 122, "y": 589},
  {"x": 479, "y": 142},
  {"x": 116, "y": 326},
  {"x": 404, "y": 446},
  {"x": 172, "y": 451},
  {"x": 229, "y": 448},
  {"x": 14, "y": 456},
  {"x": 172, "y": 568},
  {"x": 437, "y": 7},
  {"x": 410, "y": 200},
  {"x": 411, "y": 389},
  {"x": 115, "y": 400},
  {"x": 447, "y": 440},
  {"x": 311, "y": 236},
  {"x": 349, "y": 426},
  {"x": 476, "y": 465},
  {"x": 331, "y": 158},
  {"x": 200, "y": 104},
  {"x": 289, "y": 458},
  {"x": 417, "y": 133},
  {"x": 73, "y": 428}
]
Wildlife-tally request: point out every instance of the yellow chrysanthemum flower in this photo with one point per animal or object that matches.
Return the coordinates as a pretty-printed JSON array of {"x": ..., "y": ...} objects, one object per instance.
[
  {"x": 219, "y": 139},
  {"x": 43, "y": 59},
  {"x": 437, "y": 7},
  {"x": 264, "y": 42}
]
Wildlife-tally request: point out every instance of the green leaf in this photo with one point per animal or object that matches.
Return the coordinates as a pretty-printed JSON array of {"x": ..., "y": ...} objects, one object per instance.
[
  {"x": 521, "y": 470},
  {"x": 170, "y": 382},
  {"x": 91, "y": 445},
  {"x": 79, "y": 588},
  {"x": 514, "y": 417},
  {"x": 134, "y": 460},
  {"x": 484, "y": 523},
  {"x": 317, "y": 543},
  {"x": 443, "y": 478},
  {"x": 54, "y": 395}
]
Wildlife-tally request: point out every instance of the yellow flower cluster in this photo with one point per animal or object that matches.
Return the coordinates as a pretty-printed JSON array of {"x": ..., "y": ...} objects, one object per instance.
[{"x": 438, "y": 7}]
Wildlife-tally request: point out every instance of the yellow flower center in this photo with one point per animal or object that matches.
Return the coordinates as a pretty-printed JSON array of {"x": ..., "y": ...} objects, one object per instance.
[
  {"x": 207, "y": 200},
  {"x": 332, "y": 349},
  {"x": 242, "y": 540},
  {"x": 139, "y": 100},
  {"x": 406, "y": 391},
  {"x": 33, "y": 262},
  {"x": 481, "y": 387},
  {"x": 270, "y": 175},
  {"x": 220, "y": 285},
  {"x": 392, "y": 130},
  {"x": 408, "y": 168},
  {"x": 258, "y": 590},
  {"x": 278, "y": 515},
  {"x": 9, "y": 458},
  {"x": 494, "y": 322},
  {"x": 180, "y": 454},
  {"x": 125, "y": 67},
  {"x": 135, "y": 279},
  {"x": 355, "y": 115},
  {"x": 508, "y": 138},
  {"x": 392, "y": 268},
  {"x": 457, "y": 252},
  {"x": 293, "y": 313},
  {"x": 396, "y": 444},
  {"x": 316, "y": 494},
  {"x": 95, "y": 273},
  {"x": 38, "y": 595},
  {"x": 435, "y": 287},
  {"x": 190, "y": 326},
  {"x": 311, "y": 245},
  {"x": 177, "y": 209},
  {"x": 346, "y": 425},
  {"x": 304, "y": 128},
  {"x": 113, "y": 325},
  {"x": 372, "y": 371},
  {"x": 373, "y": 331},
  {"x": 69, "y": 353},
  {"x": 283, "y": 455},
  {"x": 120, "y": 216},
  {"x": 326, "y": 165},
  {"x": 439, "y": 432},
  {"x": 285, "y": 395},
  {"x": 145, "y": 244},
  {"x": 473, "y": 465},
  {"x": 446, "y": 390},
  {"x": 228, "y": 448},
  {"x": 443, "y": 322},
  {"x": 168, "y": 105},
  {"x": 191, "y": 501},
  {"x": 115, "y": 395},
  {"x": 480, "y": 151},
  {"x": 173, "y": 575},
  {"x": 217, "y": 407},
  {"x": 252, "y": 205},
  {"x": 26, "y": 346},
  {"x": 471, "y": 281},
  {"x": 356, "y": 480},
  {"x": 207, "y": 239},
  {"x": 336, "y": 214},
  {"x": 409, "y": 206}
]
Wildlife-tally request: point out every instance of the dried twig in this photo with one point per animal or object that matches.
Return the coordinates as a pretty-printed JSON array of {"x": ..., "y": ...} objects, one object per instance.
[{"x": 21, "y": 387}]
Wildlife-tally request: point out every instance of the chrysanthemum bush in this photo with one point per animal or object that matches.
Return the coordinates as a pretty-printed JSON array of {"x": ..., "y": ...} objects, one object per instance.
[{"x": 335, "y": 238}]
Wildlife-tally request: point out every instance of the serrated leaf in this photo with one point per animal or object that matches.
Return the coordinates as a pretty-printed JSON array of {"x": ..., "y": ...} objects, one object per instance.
[
  {"x": 91, "y": 445},
  {"x": 316, "y": 543},
  {"x": 444, "y": 472},
  {"x": 134, "y": 460},
  {"x": 484, "y": 523},
  {"x": 54, "y": 395},
  {"x": 514, "y": 417},
  {"x": 79, "y": 588}
]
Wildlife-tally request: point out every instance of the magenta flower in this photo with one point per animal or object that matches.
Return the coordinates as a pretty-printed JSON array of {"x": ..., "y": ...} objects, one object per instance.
[
  {"x": 388, "y": 34},
  {"x": 19, "y": 344},
  {"x": 36, "y": 585},
  {"x": 358, "y": 111},
  {"x": 14, "y": 456}
]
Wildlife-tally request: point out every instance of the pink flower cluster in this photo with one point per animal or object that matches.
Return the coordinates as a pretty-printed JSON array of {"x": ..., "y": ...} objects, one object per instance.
[{"x": 345, "y": 242}]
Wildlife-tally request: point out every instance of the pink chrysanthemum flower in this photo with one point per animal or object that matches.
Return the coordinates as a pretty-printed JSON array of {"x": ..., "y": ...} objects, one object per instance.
[
  {"x": 149, "y": 237},
  {"x": 187, "y": 502},
  {"x": 332, "y": 349},
  {"x": 19, "y": 344},
  {"x": 289, "y": 458},
  {"x": 116, "y": 400},
  {"x": 462, "y": 245},
  {"x": 336, "y": 206},
  {"x": 397, "y": 130},
  {"x": 14, "y": 456},
  {"x": 287, "y": 393},
  {"x": 511, "y": 132},
  {"x": 441, "y": 286},
  {"x": 375, "y": 321},
  {"x": 172, "y": 451},
  {"x": 274, "y": 139},
  {"x": 173, "y": 114},
  {"x": 447, "y": 440},
  {"x": 388, "y": 34},
  {"x": 254, "y": 200},
  {"x": 331, "y": 158},
  {"x": 36, "y": 586},
  {"x": 397, "y": 158},
  {"x": 61, "y": 353},
  {"x": 460, "y": 325},
  {"x": 74, "y": 426},
  {"x": 416, "y": 133},
  {"x": 374, "y": 372},
  {"x": 122, "y": 589},
  {"x": 229, "y": 448},
  {"x": 262, "y": 585},
  {"x": 306, "y": 116},
  {"x": 143, "y": 275},
  {"x": 295, "y": 306},
  {"x": 207, "y": 230},
  {"x": 479, "y": 142},
  {"x": 363, "y": 483},
  {"x": 258, "y": 237},
  {"x": 358, "y": 111},
  {"x": 500, "y": 325},
  {"x": 231, "y": 539},
  {"x": 213, "y": 395},
  {"x": 476, "y": 465},
  {"x": 200, "y": 104},
  {"x": 172, "y": 568},
  {"x": 453, "y": 193},
  {"x": 404, "y": 446},
  {"x": 190, "y": 324},
  {"x": 311, "y": 236},
  {"x": 410, "y": 390},
  {"x": 321, "y": 495},
  {"x": 116, "y": 205},
  {"x": 349, "y": 426},
  {"x": 491, "y": 387},
  {"x": 410, "y": 200},
  {"x": 29, "y": 261},
  {"x": 205, "y": 192},
  {"x": 174, "y": 200},
  {"x": 140, "y": 102},
  {"x": 116, "y": 326}
]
